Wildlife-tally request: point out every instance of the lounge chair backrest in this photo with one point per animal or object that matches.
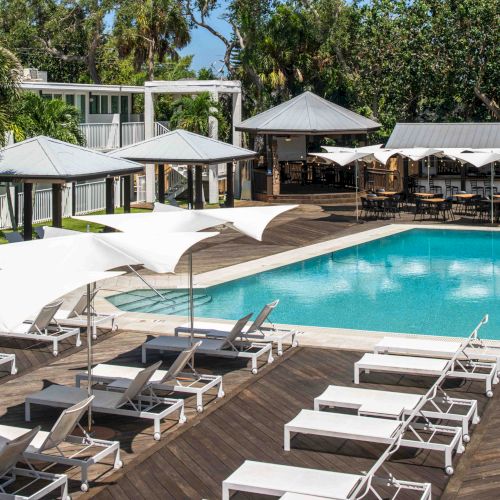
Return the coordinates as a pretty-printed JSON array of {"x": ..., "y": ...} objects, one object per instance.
[
  {"x": 45, "y": 316},
  {"x": 65, "y": 424},
  {"x": 13, "y": 450},
  {"x": 236, "y": 331},
  {"x": 180, "y": 362},
  {"x": 81, "y": 304},
  {"x": 138, "y": 384},
  {"x": 262, "y": 316}
]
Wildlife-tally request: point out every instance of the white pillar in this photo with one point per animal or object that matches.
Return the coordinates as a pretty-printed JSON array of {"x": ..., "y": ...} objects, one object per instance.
[
  {"x": 149, "y": 124},
  {"x": 236, "y": 119},
  {"x": 213, "y": 170}
]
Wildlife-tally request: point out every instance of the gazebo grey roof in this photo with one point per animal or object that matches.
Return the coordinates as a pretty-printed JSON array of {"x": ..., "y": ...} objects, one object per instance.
[
  {"x": 183, "y": 147},
  {"x": 445, "y": 135},
  {"x": 47, "y": 158},
  {"x": 308, "y": 114}
]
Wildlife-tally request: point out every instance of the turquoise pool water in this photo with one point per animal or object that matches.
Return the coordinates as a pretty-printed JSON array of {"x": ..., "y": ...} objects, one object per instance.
[{"x": 438, "y": 282}]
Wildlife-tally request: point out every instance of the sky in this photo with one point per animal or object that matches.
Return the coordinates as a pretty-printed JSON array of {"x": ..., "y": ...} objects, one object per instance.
[{"x": 205, "y": 47}]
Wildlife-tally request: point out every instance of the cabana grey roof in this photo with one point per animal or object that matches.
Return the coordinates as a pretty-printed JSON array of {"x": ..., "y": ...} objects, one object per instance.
[
  {"x": 46, "y": 158},
  {"x": 308, "y": 114},
  {"x": 181, "y": 146},
  {"x": 445, "y": 135}
]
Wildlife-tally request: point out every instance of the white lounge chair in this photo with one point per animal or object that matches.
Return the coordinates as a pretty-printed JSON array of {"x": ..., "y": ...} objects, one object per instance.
[
  {"x": 227, "y": 347},
  {"x": 76, "y": 317},
  {"x": 138, "y": 400},
  {"x": 9, "y": 359},
  {"x": 377, "y": 430},
  {"x": 256, "y": 331},
  {"x": 52, "y": 446},
  {"x": 375, "y": 403},
  {"x": 11, "y": 453},
  {"x": 300, "y": 483},
  {"x": 41, "y": 329},
  {"x": 172, "y": 380},
  {"x": 432, "y": 367}
]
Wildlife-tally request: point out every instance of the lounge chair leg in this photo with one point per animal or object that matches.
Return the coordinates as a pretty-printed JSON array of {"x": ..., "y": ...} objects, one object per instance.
[
  {"x": 78, "y": 339},
  {"x": 356, "y": 375},
  {"x": 85, "y": 482},
  {"x": 221, "y": 393},
  {"x": 64, "y": 491},
  {"x": 182, "y": 416},
  {"x": 55, "y": 350},
  {"x": 13, "y": 367},
  {"x": 27, "y": 411},
  {"x": 254, "y": 365},
  {"x": 286, "y": 440},
  {"x": 199, "y": 402},
  {"x": 143, "y": 355},
  {"x": 118, "y": 464},
  {"x": 270, "y": 358},
  {"x": 157, "y": 433},
  {"x": 280, "y": 347},
  {"x": 225, "y": 492}
]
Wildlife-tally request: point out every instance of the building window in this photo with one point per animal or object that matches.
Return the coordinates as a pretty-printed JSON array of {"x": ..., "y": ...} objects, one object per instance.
[
  {"x": 104, "y": 105},
  {"x": 115, "y": 104},
  {"x": 70, "y": 99},
  {"x": 46, "y": 96}
]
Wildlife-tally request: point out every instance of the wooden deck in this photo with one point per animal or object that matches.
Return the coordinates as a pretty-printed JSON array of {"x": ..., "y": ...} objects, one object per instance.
[{"x": 193, "y": 462}]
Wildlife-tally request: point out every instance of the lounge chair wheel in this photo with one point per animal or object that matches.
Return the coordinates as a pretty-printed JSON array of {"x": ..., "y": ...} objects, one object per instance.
[
  {"x": 295, "y": 344},
  {"x": 14, "y": 371},
  {"x": 495, "y": 380},
  {"x": 466, "y": 438},
  {"x": 119, "y": 464},
  {"x": 114, "y": 328},
  {"x": 449, "y": 471},
  {"x": 254, "y": 371},
  {"x": 156, "y": 436},
  {"x": 280, "y": 353},
  {"x": 476, "y": 420},
  {"x": 222, "y": 394},
  {"x": 182, "y": 419},
  {"x": 84, "y": 487},
  {"x": 199, "y": 409},
  {"x": 489, "y": 394},
  {"x": 54, "y": 353},
  {"x": 94, "y": 337}
]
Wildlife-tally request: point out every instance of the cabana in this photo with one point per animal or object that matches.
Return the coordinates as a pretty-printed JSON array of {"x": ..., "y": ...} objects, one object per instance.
[
  {"x": 49, "y": 161},
  {"x": 288, "y": 133},
  {"x": 181, "y": 147}
]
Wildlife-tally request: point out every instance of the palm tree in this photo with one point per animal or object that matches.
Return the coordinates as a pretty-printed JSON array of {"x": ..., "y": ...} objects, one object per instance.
[
  {"x": 36, "y": 115},
  {"x": 150, "y": 29},
  {"x": 10, "y": 76},
  {"x": 193, "y": 114}
]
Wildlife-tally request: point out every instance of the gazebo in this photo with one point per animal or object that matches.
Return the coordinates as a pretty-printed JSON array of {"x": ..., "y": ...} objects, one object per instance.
[
  {"x": 289, "y": 132},
  {"x": 181, "y": 147},
  {"x": 49, "y": 161}
]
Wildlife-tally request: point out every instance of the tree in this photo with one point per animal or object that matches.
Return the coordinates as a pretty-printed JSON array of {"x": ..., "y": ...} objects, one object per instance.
[
  {"x": 10, "y": 75},
  {"x": 193, "y": 114},
  {"x": 150, "y": 30},
  {"x": 35, "y": 115}
]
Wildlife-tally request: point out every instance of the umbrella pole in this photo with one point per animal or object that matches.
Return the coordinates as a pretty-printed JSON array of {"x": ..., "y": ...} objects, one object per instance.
[
  {"x": 356, "y": 184},
  {"x": 89, "y": 354},
  {"x": 191, "y": 305},
  {"x": 428, "y": 174}
]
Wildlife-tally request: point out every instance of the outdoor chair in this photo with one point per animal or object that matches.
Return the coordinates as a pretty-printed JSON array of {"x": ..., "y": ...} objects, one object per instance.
[
  {"x": 138, "y": 400},
  {"x": 9, "y": 359},
  {"x": 227, "y": 347},
  {"x": 13, "y": 480},
  {"x": 58, "y": 446},
  {"x": 482, "y": 209},
  {"x": 398, "y": 405},
  {"x": 445, "y": 208},
  {"x": 475, "y": 188},
  {"x": 421, "y": 208},
  {"x": 256, "y": 331},
  {"x": 488, "y": 189},
  {"x": 391, "y": 207},
  {"x": 450, "y": 188},
  {"x": 45, "y": 329},
  {"x": 472, "y": 204},
  {"x": 175, "y": 379},
  {"x": 433, "y": 188}
]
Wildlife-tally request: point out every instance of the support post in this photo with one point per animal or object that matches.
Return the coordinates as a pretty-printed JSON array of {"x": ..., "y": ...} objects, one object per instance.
[
  {"x": 57, "y": 205},
  {"x": 237, "y": 141},
  {"x": 463, "y": 178},
  {"x": 275, "y": 167},
  {"x": 198, "y": 187},
  {"x": 356, "y": 184},
  {"x": 213, "y": 170},
  {"x": 28, "y": 212},
  {"x": 127, "y": 186},
  {"x": 110, "y": 195},
  {"x": 491, "y": 191},
  {"x": 405, "y": 177},
  {"x": 73, "y": 198},
  {"x": 149, "y": 124},
  {"x": 161, "y": 183},
  {"x": 190, "y": 186},
  {"x": 229, "y": 185}
]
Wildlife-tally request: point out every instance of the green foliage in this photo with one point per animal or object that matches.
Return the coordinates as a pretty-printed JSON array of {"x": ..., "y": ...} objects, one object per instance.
[
  {"x": 193, "y": 114},
  {"x": 35, "y": 115},
  {"x": 10, "y": 72}
]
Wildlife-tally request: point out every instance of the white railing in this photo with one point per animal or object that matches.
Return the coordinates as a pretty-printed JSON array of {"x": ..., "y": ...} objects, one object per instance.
[
  {"x": 101, "y": 136},
  {"x": 90, "y": 197},
  {"x": 141, "y": 188},
  {"x": 42, "y": 206},
  {"x": 4, "y": 212},
  {"x": 106, "y": 136}
]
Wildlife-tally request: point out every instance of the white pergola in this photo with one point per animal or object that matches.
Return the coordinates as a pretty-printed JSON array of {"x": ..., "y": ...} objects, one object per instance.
[{"x": 193, "y": 87}]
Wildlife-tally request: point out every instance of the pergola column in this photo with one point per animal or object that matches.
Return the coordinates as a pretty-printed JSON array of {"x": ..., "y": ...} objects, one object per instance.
[
  {"x": 127, "y": 187},
  {"x": 149, "y": 124},
  {"x": 213, "y": 170},
  {"x": 57, "y": 205},
  {"x": 229, "y": 185},
  {"x": 110, "y": 195},
  {"x": 28, "y": 211},
  {"x": 236, "y": 119},
  {"x": 198, "y": 187},
  {"x": 161, "y": 183}
]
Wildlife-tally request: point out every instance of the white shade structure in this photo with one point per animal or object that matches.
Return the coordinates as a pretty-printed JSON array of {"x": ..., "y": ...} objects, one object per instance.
[{"x": 25, "y": 291}]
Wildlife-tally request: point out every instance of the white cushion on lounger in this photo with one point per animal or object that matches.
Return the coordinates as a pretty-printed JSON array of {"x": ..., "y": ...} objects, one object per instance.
[
  {"x": 285, "y": 478},
  {"x": 125, "y": 372},
  {"x": 418, "y": 346},
  {"x": 8, "y": 433},
  {"x": 185, "y": 343},
  {"x": 423, "y": 365},
  {"x": 72, "y": 395}
]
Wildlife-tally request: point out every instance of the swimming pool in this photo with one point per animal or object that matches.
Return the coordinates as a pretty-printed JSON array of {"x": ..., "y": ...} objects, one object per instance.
[{"x": 429, "y": 281}]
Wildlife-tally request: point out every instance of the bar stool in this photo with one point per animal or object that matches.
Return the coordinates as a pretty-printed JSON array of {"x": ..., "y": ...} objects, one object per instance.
[
  {"x": 487, "y": 189},
  {"x": 450, "y": 188},
  {"x": 433, "y": 188},
  {"x": 475, "y": 189}
]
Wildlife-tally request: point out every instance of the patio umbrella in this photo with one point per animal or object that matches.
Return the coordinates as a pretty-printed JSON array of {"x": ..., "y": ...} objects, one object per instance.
[{"x": 250, "y": 221}]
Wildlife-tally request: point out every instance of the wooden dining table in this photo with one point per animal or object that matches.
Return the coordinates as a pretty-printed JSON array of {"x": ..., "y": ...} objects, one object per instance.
[
  {"x": 464, "y": 196},
  {"x": 434, "y": 200},
  {"x": 424, "y": 195}
]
